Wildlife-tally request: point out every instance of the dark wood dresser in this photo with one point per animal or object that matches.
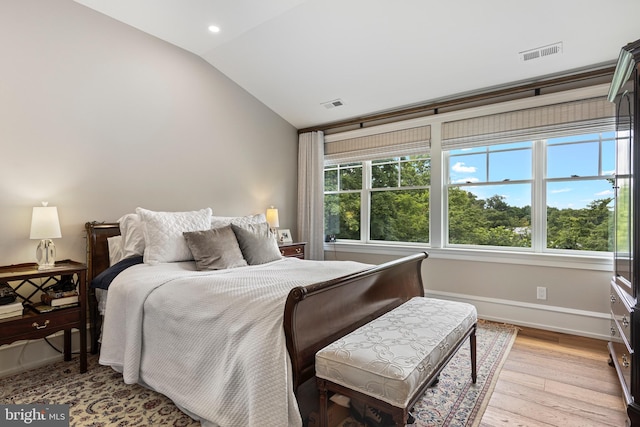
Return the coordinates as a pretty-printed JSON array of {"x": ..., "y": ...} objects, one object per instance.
[{"x": 625, "y": 285}]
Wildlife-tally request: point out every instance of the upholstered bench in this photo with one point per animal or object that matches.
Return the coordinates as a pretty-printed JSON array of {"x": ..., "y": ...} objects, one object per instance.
[{"x": 389, "y": 362}]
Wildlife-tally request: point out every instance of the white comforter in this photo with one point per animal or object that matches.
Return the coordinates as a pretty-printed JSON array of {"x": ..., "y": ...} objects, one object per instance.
[{"x": 212, "y": 341}]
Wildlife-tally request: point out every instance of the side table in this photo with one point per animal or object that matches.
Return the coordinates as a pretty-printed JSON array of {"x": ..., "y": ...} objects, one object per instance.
[
  {"x": 292, "y": 250},
  {"x": 30, "y": 283}
]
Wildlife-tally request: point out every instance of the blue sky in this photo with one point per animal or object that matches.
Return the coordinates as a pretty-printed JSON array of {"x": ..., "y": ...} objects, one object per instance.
[{"x": 565, "y": 158}]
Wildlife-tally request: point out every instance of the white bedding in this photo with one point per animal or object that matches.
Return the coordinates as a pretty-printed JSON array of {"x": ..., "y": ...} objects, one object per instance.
[
  {"x": 212, "y": 341},
  {"x": 101, "y": 297}
]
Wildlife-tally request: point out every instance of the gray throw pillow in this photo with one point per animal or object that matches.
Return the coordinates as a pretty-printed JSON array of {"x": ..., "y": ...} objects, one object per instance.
[
  {"x": 257, "y": 243},
  {"x": 215, "y": 249}
]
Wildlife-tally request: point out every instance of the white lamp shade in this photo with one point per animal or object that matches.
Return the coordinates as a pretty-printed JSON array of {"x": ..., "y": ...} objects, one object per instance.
[
  {"x": 45, "y": 223},
  {"x": 272, "y": 217}
]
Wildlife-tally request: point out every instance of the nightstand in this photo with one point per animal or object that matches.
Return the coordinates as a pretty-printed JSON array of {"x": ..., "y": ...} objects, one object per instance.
[
  {"x": 292, "y": 250},
  {"x": 29, "y": 283}
]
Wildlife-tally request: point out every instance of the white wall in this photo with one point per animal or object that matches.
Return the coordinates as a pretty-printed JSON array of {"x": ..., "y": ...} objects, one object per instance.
[
  {"x": 98, "y": 118},
  {"x": 577, "y": 298}
]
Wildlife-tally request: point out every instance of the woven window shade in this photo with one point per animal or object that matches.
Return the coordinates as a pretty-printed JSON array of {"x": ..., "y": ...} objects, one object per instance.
[
  {"x": 403, "y": 142},
  {"x": 570, "y": 118}
]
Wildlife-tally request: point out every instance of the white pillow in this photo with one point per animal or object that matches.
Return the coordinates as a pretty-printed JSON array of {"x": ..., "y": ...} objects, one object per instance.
[
  {"x": 132, "y": 235},
  {"x": 115, "y": 249},
  {"x": 163, "y": 237},
  {"x": 221, "y": 221}
]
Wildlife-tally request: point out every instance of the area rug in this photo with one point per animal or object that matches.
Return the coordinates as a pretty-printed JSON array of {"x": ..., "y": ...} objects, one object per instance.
[
  {"x": 456, "y": 401},
  {"x": 100, "y": 398}
]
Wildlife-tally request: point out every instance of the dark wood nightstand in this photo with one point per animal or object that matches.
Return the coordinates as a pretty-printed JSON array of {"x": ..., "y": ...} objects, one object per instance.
[
  {"x": 292, "y": 250},
  {"x": 29, "y": 283}
]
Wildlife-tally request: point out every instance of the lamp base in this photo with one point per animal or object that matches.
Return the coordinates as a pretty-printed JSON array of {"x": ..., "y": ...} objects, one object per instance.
[{"x": 46, "y": 254}]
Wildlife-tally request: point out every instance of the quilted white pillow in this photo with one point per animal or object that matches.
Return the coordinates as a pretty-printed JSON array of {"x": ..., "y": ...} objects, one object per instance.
[
  {"x": 221, "y": 221},
  {"x": 163, "y": 237}
]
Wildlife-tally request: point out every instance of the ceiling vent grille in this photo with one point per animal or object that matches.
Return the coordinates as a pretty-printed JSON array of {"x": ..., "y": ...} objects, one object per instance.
[
  {"x": 333, "y": 104},
  {"x": 541, "y": 52}
]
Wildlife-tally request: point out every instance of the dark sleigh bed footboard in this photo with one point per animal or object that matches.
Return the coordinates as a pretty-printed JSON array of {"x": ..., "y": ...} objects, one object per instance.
[{"x": 318, "y": 314}]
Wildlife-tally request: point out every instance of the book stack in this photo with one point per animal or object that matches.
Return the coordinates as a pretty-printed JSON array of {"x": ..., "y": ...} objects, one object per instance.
[
  {"x": 11, "y": 310},
  {"x": 59, "y": 299}
]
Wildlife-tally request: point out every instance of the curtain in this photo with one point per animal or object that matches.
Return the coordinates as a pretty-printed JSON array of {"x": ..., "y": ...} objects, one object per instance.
[{"x": 311, "y": 193}]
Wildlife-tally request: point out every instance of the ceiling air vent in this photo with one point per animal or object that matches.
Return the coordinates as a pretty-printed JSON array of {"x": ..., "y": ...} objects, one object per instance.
[
  {"x": 541, "y": 52},
  {"x": 333, "y": 104}
]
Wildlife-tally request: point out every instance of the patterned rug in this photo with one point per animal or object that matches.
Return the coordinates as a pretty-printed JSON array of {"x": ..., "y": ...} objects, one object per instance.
[
  {"x": 100, "y": 398},
  {"x": 456, "y": 401}
]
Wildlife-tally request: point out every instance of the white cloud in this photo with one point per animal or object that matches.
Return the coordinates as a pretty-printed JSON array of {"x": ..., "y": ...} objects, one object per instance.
[
  {"x": 465, "y": 180},
  {"x": 605, "y": 193},
  {"x": 461, "y": 168},
  {"x": 561, "y": 190}
]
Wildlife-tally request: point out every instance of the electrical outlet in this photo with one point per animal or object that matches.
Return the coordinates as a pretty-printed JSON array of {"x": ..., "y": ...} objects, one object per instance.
[{"x": 542, "y": 292}]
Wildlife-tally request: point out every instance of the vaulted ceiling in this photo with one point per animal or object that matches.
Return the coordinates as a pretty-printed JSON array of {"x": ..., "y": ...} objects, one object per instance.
[{"x": 376, "y": 55}]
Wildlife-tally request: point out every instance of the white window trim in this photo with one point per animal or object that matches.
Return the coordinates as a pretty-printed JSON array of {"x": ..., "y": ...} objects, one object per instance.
[{"x": 586, "y": 261}]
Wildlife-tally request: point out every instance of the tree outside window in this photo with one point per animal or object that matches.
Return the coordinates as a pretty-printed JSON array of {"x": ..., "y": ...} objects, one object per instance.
[{"x": 395, "y": 192}]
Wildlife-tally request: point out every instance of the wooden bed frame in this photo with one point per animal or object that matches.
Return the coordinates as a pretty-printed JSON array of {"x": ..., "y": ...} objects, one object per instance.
[{"x": 315, "y": 315}]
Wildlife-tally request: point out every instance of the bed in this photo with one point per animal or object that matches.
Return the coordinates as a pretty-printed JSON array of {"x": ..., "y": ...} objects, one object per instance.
[{"x": 325, "y": 305}]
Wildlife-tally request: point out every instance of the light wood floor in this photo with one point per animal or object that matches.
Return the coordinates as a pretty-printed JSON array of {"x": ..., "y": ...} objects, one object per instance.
[{"x": 552, "y": 379}]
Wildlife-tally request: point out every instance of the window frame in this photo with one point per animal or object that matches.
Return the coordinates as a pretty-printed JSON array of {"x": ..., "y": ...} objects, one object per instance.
[
  {"x": 367, "y": 191},
  {"x": 539, "y": 200}
]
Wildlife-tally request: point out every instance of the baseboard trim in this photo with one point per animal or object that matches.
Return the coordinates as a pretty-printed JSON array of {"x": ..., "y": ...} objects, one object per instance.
[{"x": 539, "y": 316}]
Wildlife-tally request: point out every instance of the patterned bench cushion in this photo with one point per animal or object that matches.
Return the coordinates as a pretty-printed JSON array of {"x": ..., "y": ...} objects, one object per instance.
[{"x": 392, "y": 356}]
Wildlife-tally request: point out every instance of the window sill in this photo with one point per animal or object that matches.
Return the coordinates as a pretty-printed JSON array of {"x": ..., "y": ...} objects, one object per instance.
[{"x": 588, "y": 261}]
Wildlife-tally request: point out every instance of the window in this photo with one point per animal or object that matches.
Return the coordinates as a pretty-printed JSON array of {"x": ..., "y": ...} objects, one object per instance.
[
  {"x": 529, "y": 180},
  {"x": 376, "y": 187},
  {"x": 489, "y": 195},
  {"x": 342, "y": 200},
  {"x": 579, "y": 189},
  {"x": 539, "y": 179},
  {"x": 380, "y": 200}
]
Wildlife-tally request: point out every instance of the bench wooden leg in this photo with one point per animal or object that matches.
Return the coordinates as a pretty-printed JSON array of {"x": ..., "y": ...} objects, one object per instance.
[
  {"x": 472, "y": 343},
  {"x": 322, "y": 391}
]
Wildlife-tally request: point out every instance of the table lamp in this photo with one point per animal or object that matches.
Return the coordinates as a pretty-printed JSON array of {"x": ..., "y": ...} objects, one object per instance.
[
  {"x": 45, "y": 226},
  {"x": 272, "y": 219}
]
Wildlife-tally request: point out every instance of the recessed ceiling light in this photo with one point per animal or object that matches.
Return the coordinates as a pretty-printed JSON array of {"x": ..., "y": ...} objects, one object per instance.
[{"x": 214, "y": 29}]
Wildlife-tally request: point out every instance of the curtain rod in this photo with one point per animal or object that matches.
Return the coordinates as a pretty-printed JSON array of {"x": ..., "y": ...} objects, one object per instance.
[{"x": 485, "y": 96}]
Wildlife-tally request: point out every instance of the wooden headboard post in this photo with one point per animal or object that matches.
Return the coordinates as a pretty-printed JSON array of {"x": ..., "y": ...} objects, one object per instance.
[{"x": 97, "y": 262}]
